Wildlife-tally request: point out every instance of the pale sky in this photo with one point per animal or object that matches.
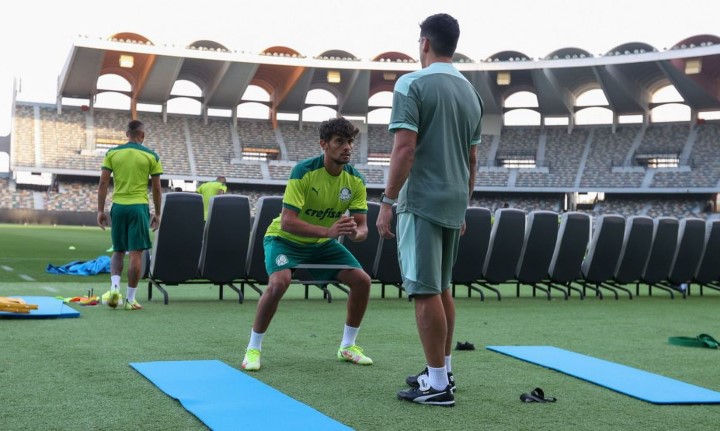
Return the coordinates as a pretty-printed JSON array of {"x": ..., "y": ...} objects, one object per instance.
[{"x": 37, "y": 35}]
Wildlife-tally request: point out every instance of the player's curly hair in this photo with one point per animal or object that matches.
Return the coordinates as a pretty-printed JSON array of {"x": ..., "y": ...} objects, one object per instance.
[{"x": 337, "y": 126}]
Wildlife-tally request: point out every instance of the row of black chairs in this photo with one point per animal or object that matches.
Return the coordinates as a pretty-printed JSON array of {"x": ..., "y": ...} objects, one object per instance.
[
  {"x": 543, "y": 250},
  {"x": 550, "y": 252},
  {"x": 227, "y": 250}
]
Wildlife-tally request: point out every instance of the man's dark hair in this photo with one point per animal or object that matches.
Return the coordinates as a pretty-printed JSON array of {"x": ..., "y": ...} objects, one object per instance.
[
  {"x": 443, "y": 32},
  {"x": 135, "y": 128},
  {"x": 337, "y": 126},
  {"x": 220, "y": 179}
]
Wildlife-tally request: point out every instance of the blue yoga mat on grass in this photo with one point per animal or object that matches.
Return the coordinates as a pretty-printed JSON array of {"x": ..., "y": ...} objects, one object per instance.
[
  {"x": 630, "y": 381},
  {"x": 224, "y": 398},
  {"x": 47, "y": 308}
]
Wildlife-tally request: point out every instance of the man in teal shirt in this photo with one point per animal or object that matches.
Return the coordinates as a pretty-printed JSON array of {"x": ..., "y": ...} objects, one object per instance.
[
  {"x": 436, "y": 121},
  {"x": 210, "y": 189}
]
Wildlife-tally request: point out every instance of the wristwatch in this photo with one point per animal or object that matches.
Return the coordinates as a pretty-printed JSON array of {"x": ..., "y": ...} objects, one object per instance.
[{"x": 386, "y": 200}]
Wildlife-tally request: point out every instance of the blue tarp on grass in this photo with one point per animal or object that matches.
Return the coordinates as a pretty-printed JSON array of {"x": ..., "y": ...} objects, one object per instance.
[{"x": 99, "y": 265}]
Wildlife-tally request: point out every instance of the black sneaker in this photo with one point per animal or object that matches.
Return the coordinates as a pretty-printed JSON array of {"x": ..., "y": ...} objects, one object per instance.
[
  {"x": 424, "y": 394},
  {"x": 412, "y": 381}
]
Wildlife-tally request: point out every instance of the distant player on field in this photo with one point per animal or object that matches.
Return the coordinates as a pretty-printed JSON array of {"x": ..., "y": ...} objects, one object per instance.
[
  {"x": 210, "y": 189},
  {"x": 131, "y": 165},
  {"x": 320, "y": 190}
]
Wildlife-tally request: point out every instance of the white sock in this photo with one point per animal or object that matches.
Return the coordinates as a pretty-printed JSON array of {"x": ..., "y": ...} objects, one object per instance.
[
  {"x": 349, "y": 335},
  {"x": 114, "y": 282},
  {"x": 131, "y": 293},
  {"x": 255, "y": 340},
  {"x": 448, "y": 362},
  {"x": 438, "y": 378}
]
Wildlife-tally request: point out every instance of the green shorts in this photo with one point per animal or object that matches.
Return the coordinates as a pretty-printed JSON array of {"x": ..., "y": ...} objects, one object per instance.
[
  {"x": 130, "y": 227},
  {"x": 427, "y": 253},
  {"x": 283, "y": 254}
]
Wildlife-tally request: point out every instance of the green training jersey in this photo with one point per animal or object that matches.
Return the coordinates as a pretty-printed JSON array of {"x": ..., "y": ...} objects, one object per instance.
[
  {"x": 444, "y": 109},
  {"x": 320, "y": 198},
  {"x": 208, "y": 190},
  {"x": 131, "y": 165}
]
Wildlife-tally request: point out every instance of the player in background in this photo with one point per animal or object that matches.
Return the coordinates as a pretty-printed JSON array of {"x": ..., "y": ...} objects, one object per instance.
[
  {"x": 210, "y": 189},
  {"x": 130, "y": 165}
]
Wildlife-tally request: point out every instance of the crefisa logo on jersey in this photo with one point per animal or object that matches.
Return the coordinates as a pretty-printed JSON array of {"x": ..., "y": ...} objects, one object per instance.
[
  {"x": 345, "y": 194},
  {"x": 281, "y": 260}
]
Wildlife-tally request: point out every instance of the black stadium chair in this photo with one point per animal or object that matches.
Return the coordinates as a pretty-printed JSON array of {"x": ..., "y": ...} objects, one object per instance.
[
  {"x": 503, "y": 253},
  {"x": 541, "y": 228},
  {"x": 602, "y": 257},
  {"x": 570, "y": 247},
  {"x": 637, "y": 242},
  {"x": 472, "y": 250},
  {"x": 176, "y": 248},
  {"x": 657, "y": 268},
  {"x": 225, "y": 242},
  {"x": 708, "y": 270},
  {"x": 690, "y": 243},
  {"x": 266, "y": 209}
]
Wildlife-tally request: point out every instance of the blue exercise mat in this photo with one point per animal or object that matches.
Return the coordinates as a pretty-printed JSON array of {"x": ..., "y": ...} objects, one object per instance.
[
  {"x": 630, "y": 381},
  {"x": 47, "y": 308},
  {"x": 224, "y": 398}
]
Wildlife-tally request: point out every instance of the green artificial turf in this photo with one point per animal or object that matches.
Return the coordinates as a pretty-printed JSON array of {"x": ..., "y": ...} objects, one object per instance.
[{"x": 74, "y": 373}]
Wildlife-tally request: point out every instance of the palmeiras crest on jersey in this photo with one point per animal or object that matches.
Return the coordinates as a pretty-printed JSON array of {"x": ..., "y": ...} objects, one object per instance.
[
  {"x": 345, "y": 194},
  {"x": 281, "y": 260}
]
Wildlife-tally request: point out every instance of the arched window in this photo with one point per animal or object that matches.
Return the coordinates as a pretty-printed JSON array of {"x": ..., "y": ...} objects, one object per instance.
[
  {"x": 594, "y": 115},
  {"x": 521, "y": 117},
  {"x": 183, "y": 87},
  {"x": 320, "y": 97},
  {"x": 670, "y": 112},
  {"x": 146, "y": 107},
  {"x": 667, "y": 94},
  {"x": 112, "y": 100},
  {"x": 253, "y": 110},
  {"x": 379, "y": 116},
  {"x": 383, "y": 98},
  {"x": 594, "y": 97},
  {"x": 318, "y": 113},
  {"x": 184, "y": 105},
  {"x": 111, "y": 81},
  {"x": 521, "y": 99},
  {"x": 255, "y": 94}
]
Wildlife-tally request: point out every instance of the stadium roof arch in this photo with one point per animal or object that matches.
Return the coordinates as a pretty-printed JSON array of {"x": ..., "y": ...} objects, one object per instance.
[
  {"x": 627, "y": 74},
  {"x": 462, "y": 58}
]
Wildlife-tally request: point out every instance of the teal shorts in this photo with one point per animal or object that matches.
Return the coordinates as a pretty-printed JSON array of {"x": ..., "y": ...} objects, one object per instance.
[
  {"x": 283, "y": 254},
  {"x": 427, "y": 253},
  {"x": 130, "y": 227}
]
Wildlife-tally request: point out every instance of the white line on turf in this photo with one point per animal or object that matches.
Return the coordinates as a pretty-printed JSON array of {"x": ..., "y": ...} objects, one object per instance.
[
  {"x": 48, "y": 288},
  {"x": 26, "y": 277},
  {"x": 6, "y": 268}
]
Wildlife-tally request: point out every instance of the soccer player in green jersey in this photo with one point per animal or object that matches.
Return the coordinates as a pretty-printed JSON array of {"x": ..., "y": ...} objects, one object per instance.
[
  {"x": 435, "y": 117},
  {"x": 318, "y": 194},
  {"x": 130, "y": 165},
  {"x": 210, "y": 189}
]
